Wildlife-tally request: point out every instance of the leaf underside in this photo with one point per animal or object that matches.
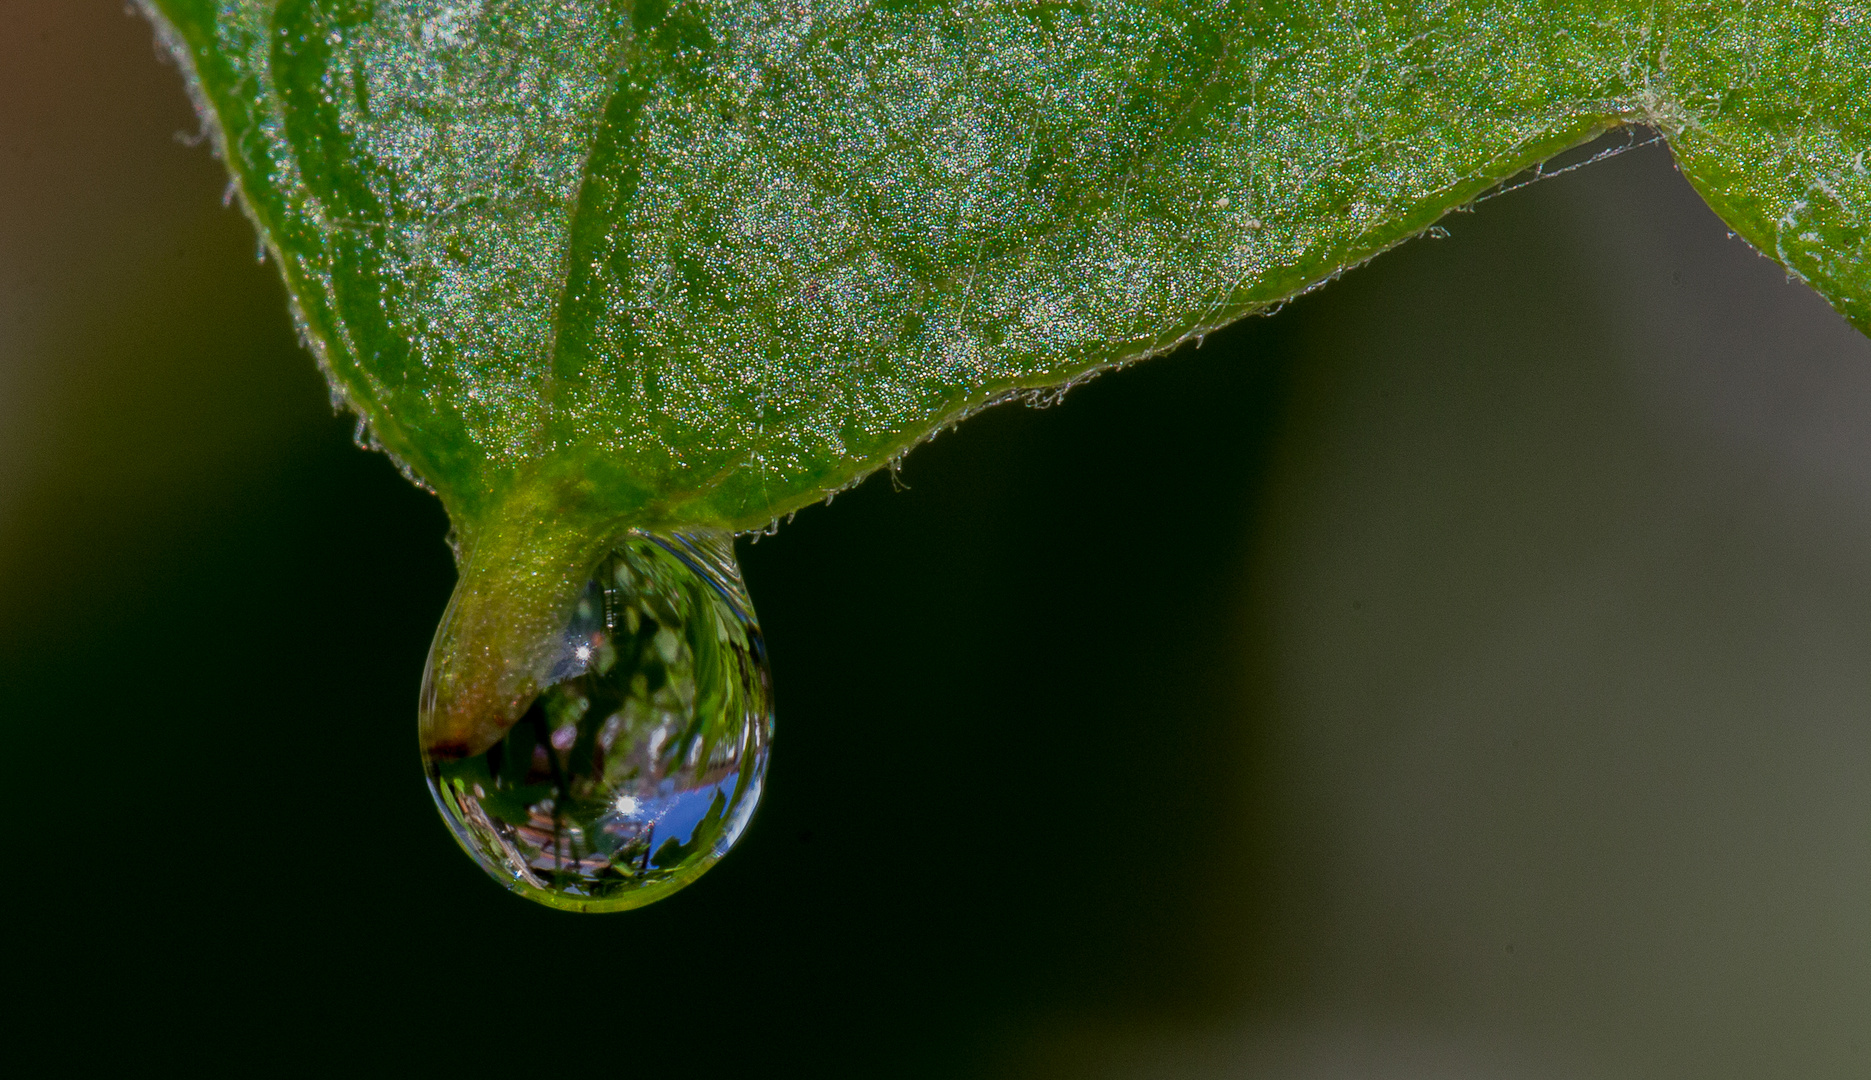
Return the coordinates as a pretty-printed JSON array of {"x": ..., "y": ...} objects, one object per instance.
[{"x": 675, "y": 263}]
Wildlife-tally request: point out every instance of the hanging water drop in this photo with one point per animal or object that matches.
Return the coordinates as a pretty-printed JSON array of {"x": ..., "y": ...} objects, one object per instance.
[{"x": 640, "y": 759}]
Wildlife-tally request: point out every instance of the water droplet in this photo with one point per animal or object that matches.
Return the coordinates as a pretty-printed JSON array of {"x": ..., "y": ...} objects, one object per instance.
[{"x": 640, "y": 763}]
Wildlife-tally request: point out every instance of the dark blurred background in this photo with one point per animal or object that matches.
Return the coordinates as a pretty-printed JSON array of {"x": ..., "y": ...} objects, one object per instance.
[{"x": 1460, "y": 674}]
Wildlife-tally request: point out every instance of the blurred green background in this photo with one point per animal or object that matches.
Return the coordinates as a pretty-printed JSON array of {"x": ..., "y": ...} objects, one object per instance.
[{"x": 1462, "y": 673}]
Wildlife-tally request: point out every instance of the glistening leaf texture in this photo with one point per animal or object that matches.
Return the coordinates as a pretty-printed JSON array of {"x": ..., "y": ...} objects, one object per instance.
[{"x": 673, "y": 263}]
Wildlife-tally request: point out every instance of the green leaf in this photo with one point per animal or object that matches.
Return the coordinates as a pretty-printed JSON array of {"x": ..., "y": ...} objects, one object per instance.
[{"x": 583, "y": 264}]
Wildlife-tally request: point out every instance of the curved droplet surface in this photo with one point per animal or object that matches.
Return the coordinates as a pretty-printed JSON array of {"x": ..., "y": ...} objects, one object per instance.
[{"x": 640, "y": 762}]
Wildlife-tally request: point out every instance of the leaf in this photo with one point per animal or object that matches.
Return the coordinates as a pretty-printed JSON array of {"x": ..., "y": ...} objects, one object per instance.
[{"x": 583, "y": 264}]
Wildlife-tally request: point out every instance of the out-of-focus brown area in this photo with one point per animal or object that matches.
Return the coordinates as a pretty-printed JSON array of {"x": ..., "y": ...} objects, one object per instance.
[
  {"x": 144, "y": 366},
  {"x": 1460, "y": 674}
]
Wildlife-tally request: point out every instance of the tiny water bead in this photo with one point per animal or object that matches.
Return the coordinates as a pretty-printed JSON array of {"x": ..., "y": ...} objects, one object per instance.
[{"x": 640, "y": 762}]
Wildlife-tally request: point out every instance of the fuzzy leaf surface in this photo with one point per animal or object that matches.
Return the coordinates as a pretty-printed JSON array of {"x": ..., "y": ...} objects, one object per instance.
[{"x": 700, "y": 262}]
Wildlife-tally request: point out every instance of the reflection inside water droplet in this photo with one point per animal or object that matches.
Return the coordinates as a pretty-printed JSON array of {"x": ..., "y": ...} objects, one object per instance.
[{"x": 640, "y": 763}]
